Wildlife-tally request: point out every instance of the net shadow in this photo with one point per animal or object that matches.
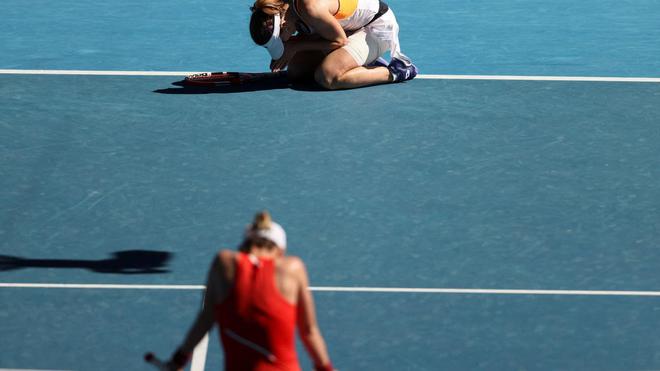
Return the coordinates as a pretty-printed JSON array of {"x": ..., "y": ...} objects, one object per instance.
[{"x": 121, "y": 262}]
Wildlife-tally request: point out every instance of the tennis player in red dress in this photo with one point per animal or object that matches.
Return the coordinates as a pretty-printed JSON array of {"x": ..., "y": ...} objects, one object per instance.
[{"x": 258, "y": 296}]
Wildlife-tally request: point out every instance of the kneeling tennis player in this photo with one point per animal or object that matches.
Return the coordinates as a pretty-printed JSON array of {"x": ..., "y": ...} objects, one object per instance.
[{"x": 340, "y": 43}]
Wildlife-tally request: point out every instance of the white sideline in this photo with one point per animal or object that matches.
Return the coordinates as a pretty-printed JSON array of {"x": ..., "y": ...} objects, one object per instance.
[
  {"x": 421, "y": 76},
  {"x": 399, "y": 290},
  {"x": 199, "y": 354},
  {"x": 94, "y": 73},
  {"x": 540, "y": 78}
]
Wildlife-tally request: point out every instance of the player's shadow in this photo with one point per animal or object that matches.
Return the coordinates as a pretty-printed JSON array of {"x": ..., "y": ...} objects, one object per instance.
[
  {"x": 273, "y": 84},
  {"x": 121, "y": 262}
]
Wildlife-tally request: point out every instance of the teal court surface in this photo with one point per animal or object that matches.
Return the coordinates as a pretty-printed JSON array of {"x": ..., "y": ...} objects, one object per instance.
[{"x": 500, "y": 212}]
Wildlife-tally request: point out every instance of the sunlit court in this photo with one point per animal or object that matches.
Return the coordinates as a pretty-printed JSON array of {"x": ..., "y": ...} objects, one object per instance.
[{"x": 500, "y": 211}]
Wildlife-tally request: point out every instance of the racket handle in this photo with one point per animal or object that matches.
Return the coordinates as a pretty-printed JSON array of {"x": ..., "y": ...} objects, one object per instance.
[{"x": 155, "y": 361}]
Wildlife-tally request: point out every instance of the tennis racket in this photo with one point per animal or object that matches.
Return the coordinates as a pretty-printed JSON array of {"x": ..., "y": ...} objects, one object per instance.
[
  {"x": 210, "y": 79},
  {"x": 156, "y": 362}
]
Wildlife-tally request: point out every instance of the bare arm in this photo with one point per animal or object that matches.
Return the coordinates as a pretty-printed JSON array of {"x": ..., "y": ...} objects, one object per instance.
[
  {"x": 328, "y": 34},
  {"x": 205, "y": 318},
  {"x": 308, "y": 328},
  {"x": 300, "y": 43},
  {"x": 216, "y": 290},
  {"x": 318, "y": 17}
]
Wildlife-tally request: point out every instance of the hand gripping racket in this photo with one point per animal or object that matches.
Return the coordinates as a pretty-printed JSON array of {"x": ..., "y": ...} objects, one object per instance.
[{"x": 156, "y": 362}]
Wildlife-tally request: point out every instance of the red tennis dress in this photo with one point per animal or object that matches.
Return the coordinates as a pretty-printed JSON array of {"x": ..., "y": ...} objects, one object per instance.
[{"x": 257, "y": 325}]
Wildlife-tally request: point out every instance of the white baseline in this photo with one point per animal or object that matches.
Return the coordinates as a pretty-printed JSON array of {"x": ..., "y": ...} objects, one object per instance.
[
  {"x": 349, "y": 289},
  {"x": 421, "y": 76}
]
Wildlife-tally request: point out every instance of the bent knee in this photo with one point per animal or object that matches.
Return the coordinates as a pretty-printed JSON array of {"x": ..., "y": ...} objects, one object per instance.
[{"x": 327, "y": 78}]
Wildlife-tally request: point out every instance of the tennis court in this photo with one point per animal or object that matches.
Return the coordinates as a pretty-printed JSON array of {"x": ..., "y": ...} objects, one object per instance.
[{"x": 500, "y": 212}]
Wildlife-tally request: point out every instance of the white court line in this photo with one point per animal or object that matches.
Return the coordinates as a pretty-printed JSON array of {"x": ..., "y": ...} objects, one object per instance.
[
  {"x": 540, "y": 78},
  {"x": 487, "y": 291},
  {"x": 400, "y": 290},
  {"x": 199, "y": 354},
  {"x": 95, "y": 73},
  {"x": 421, "y": 76},
  {"x": 99, "y": 286}
]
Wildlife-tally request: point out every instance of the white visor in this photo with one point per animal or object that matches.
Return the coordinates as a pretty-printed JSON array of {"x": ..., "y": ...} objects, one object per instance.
[
  {"x": 275, "y": 45},
  {"x": 275, "y": 234}
]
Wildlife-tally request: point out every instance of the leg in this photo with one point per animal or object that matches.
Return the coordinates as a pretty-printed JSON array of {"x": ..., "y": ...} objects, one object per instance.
[
  {"x": 302, "y": 66},
  {"x": 339, "y": 70},
  {"x": 344, "y": 68}
]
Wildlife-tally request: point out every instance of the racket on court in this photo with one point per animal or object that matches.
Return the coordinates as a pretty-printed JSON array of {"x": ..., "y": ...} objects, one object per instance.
[
  {"x": 211, "y": 79},
  {"x": 156, "y": 362}
]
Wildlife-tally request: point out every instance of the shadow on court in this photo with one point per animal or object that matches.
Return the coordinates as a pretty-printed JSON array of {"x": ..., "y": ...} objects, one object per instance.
[
  {"x": 121, "y": 262},
  {"x": 243, "y": 88}
]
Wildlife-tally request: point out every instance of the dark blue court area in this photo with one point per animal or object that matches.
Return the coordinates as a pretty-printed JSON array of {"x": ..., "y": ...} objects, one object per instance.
[{"x": 432, "y": 184}]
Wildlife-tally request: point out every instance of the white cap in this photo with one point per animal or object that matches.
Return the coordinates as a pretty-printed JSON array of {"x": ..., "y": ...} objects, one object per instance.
[
  {"x": 275, "y": 45},
  {"x": 275, "y": 234}
]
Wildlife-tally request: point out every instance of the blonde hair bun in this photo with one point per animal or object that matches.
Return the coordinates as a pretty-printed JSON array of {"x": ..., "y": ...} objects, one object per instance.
[{"x": 262, "y": 220}]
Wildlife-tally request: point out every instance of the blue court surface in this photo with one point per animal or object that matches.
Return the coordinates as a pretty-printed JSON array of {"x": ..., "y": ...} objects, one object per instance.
[{"x": 480, "y": 217}]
